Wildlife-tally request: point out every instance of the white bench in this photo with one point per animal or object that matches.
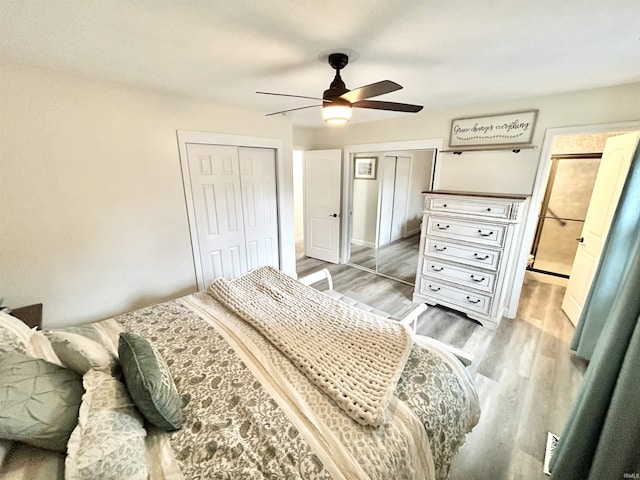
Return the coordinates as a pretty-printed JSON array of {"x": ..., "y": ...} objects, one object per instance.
[{"x": 410, "y": 319}]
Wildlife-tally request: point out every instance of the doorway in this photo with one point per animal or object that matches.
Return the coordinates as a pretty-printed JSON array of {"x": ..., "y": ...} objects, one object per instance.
[
  {"x": 563, "y": 211},
  {"x": 560, "y": 141}
]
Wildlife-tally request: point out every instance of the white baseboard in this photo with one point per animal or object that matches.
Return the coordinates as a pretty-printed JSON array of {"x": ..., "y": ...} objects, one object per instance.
[{"x": 362, "y": 243}]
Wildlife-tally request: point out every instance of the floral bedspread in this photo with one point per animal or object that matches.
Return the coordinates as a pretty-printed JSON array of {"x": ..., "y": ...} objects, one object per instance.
[{"x": 250, "y": 414}]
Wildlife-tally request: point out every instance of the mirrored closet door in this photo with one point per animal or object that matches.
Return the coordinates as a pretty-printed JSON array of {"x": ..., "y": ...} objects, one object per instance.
[{"x": 387, "y": 210}]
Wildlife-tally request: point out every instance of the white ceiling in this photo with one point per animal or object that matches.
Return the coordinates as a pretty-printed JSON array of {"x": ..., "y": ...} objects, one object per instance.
[{"x": 444, "y": 53}]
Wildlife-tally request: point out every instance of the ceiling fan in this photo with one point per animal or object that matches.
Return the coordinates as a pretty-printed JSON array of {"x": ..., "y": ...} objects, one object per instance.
[{"x": 338, "y": 100}]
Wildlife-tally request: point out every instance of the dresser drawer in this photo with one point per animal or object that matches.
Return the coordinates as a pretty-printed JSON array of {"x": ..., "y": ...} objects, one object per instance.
[
  {"x": 456, "y": 297},
  {"x": 459, "y": 274},
  {"x": 476, "y": 256},
  {"x": 478, "y": 207},
  {"x": 467, "y": 230}
]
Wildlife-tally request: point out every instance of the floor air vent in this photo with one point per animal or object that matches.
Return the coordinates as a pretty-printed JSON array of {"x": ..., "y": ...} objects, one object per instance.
[{"x": 552, "y": 442}]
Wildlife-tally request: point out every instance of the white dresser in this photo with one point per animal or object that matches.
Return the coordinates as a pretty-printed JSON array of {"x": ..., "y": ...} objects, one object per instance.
[{"x": 467, "y": 252}]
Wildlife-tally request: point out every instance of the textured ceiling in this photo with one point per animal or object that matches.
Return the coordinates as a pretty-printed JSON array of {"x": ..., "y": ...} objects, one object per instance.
[{"x": 445, "y": 54}]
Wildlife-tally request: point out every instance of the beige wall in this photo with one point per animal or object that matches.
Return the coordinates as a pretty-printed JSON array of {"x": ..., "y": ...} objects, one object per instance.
[
  {"x": 500, "y": 172},
  {"x": 91, "y": 198},
  {"x": 302, "y": 138}
]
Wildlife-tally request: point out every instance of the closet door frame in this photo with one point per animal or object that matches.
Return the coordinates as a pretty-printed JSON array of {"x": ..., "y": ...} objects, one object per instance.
[{"x": 209, "y": 138}]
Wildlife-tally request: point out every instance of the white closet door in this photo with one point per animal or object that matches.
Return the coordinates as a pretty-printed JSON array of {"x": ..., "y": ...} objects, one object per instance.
[
  {"x": 386, "y": 200},
  {"x": 258, "y": 181},
  {"x": 400, "y": 197},
  {"x": 217, "y": 201}
]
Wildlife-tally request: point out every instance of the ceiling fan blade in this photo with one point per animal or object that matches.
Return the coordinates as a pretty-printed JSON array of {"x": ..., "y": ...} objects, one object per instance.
[
  {"x": 294, "y": 96},
  {"x": 369, "y": 91},
  {"x": 291, "y": 110},
  {"x": 393, "y": 106}
]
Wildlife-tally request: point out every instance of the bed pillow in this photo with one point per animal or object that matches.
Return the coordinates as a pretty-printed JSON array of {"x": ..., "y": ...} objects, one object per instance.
[
  {"x": 149, "y": 382},
  {"x": 108, "y": 442},
  {"x": 80, "y": 353},
  {"x": 104, "y": 332},
  {"x": 14, "y": 334},
  {"x": 39, "y": 401},
  {"x": 40, "y": 347}
]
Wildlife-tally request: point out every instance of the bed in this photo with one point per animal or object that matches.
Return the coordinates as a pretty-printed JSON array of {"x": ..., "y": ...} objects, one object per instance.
[{"x": 258, "y": 377}]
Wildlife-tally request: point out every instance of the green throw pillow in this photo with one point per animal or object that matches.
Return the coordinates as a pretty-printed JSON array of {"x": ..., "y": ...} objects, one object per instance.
[
  {"x": 149, "y": 382},
  {"x": 39, "y": 401}
]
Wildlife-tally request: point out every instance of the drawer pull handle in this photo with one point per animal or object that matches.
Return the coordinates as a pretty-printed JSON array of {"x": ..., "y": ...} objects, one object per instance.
[
  {"x": 477, "y": 300},
  {"x": 485, "y": 234},
  {"x": 435, "y": 247},
  {"x": 436, "y": 289},
  {"x": 488, "y": 209},
  {"x": 479, "y": 257},
  {"x": 436, "y": 269},
  {"x": 441, "y": 227},
  {"x": 477, "y": 279},
  {"x": 445, "y": 205}
]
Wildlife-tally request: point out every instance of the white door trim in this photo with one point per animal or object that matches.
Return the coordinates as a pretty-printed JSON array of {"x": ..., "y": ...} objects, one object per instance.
[
  {"x": 539, "y": 187},
  {"x": 210, "y": 138},
  {"x": 347, "y": 182}
]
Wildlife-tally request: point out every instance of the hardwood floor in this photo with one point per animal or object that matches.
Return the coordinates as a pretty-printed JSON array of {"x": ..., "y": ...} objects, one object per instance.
[
  {"x": 396, "y": 259},
  {"x": 524, "y": 373}
]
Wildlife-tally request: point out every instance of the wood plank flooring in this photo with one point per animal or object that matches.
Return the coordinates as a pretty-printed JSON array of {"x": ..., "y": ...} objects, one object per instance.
[
  {"x": 524, "y": 373},
  {"x": 397, "y": 259}
]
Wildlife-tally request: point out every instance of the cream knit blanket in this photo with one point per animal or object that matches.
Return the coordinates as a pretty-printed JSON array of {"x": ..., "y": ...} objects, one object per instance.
[{"x": 353, "y": 356}]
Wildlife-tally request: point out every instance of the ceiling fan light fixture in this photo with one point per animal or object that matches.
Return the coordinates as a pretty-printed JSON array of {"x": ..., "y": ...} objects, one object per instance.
[
  {"x": 338, "y": 100},
  {"x": 336, "y": 114}
]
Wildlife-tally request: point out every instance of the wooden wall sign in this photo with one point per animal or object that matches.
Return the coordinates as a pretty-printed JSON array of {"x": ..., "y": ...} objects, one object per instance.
[{"x": 503, "y": 129}]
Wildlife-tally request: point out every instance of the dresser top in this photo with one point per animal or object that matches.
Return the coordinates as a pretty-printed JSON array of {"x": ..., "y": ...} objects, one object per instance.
[{"x": 479, "y": 194}]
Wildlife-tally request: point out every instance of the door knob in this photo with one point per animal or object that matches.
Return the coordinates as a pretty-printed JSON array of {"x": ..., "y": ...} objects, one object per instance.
[
  {"x": 581, "y": 239},
  {"x": 334, "y": 215}
]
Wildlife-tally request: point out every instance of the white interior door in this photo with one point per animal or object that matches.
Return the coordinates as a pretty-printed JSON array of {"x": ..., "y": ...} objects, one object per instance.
[
  {"x": 614, "y": 166},
  {"x": 217, "y": 202},
  {"x": 260, "y": 211},
  {"x": 322, "y": 186}
]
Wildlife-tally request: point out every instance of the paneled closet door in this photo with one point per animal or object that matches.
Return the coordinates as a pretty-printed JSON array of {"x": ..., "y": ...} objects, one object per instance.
[
  {"x": 393, "y": 198},
  {"x": 258, "y": 182},
  {"x": 217, "y": 199},
  {"x": 400, "y": 197}
]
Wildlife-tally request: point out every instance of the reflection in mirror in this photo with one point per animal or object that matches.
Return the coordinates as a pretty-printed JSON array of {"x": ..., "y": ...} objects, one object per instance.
[
  {"x": 364, "y": 218},
  {"x": 387, "y": 211}
]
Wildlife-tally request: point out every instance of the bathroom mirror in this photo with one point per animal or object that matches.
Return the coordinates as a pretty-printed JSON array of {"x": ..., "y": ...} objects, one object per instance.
[{"x": 387, "y": 212}]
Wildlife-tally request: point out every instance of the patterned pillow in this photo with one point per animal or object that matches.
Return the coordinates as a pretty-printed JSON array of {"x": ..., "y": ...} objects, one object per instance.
[
  {"x": 14, "y": 334},
  {"x": 39, "y": 401},
  {"x": 80, "y": 353},
  {"x": 149, "y": 382},
  {"x": 108, "y": 442}
]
